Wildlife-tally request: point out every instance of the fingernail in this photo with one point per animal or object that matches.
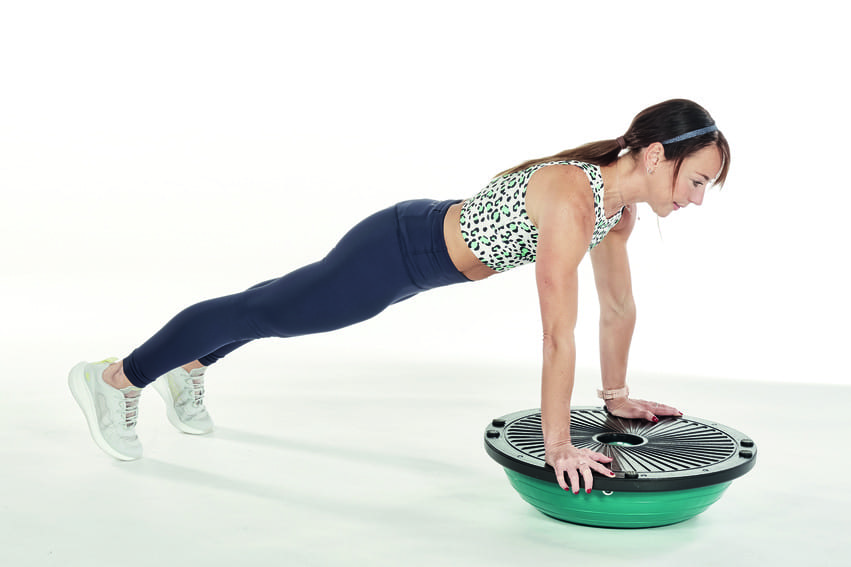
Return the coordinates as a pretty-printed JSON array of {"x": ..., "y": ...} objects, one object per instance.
[{"x": 655, "y": 419}]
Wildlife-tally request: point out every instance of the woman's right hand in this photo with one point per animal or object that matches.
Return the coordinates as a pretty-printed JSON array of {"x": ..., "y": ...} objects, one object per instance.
[{"x": 565, "y": 458}]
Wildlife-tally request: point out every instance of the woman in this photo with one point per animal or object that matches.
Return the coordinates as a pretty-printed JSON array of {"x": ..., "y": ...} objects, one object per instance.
[{"x": 549, "y": 211}]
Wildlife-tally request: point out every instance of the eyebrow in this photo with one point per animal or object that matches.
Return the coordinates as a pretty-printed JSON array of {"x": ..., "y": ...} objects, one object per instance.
[{"x": 706, "y": 177}]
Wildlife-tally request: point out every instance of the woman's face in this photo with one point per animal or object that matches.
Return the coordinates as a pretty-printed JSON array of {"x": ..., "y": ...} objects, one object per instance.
[{"x": 696, "y": 172}]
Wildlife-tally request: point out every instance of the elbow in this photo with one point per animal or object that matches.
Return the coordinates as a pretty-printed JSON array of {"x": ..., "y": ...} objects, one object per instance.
[{"x": 618, "y": 311}]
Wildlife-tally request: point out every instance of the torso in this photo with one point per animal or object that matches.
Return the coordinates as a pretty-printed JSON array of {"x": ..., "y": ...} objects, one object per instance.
[
  {"x": 459, "y": 252},
  {"x": 516, "y": 246}
]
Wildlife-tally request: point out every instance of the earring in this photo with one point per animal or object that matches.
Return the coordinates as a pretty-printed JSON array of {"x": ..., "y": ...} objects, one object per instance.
[{"x": 649, "y": 171}]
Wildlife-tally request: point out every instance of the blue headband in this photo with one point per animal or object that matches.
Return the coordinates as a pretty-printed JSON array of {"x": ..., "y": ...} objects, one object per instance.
[{"x": 691, "y": 134}]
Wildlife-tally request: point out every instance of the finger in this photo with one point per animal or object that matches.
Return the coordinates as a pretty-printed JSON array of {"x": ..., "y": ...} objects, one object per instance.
[
  {"x": 574, "y": 480},
  {"x": 602, "y": 469},
  {"x": 659, "y": 409},
  {"x": 560, "y": 478},
  {"x": 587, "y": 477},
  {"x": 601, "y": 457},
  {"x": 667, "y": 410},
  {"x": 649, "y": 416}
]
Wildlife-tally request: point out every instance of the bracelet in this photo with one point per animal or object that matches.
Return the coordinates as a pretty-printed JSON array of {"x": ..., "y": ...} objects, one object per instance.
[{"x": 613, "y": 394}]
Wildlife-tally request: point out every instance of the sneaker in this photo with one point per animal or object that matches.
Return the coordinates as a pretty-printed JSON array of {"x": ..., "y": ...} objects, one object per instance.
[
  {"x": 183, "y": 393},
  {"x": 111, "y": 413}
]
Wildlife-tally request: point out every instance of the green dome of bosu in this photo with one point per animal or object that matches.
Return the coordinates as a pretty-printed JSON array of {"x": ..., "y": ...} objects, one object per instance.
[{"x": 665, "y": 472}]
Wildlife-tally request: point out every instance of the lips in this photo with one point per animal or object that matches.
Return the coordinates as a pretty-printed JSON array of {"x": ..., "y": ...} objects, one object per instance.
[{"x": 676, "y": 207}]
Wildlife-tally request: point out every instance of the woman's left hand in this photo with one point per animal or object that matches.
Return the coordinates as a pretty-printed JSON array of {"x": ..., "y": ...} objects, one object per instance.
[{"x": 640, "y": 409}]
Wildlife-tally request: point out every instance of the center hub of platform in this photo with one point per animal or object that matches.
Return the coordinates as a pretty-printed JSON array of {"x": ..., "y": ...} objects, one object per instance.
[{"x": 619, "y": 439}]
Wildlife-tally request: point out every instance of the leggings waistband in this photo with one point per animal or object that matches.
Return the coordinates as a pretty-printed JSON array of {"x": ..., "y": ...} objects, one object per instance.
[{"x": 423, "y": 244}]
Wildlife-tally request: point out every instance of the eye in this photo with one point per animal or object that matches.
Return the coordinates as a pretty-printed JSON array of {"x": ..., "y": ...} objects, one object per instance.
[{"x": 696, "y": 183}]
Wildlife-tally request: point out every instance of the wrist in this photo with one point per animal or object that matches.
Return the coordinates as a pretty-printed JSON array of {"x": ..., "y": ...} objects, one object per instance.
[
  {"x": 616, "y": 403},
  {"x": 613, "y": 393},
  {"x": 614, "y": 398},
  {"x": 550, "y": 445}
]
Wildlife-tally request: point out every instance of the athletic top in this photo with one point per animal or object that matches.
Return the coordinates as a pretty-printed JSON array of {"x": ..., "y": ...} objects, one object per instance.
[{"x": 497, "y": 228}]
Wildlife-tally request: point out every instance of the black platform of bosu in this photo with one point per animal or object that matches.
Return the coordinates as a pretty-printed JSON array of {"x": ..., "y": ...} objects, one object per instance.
[{"x": 665, "y": 472}]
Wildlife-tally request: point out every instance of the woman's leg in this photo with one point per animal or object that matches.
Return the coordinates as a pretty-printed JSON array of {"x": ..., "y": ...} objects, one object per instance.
[
  {"x": 183, "y": 390},
  {"x": 114, "y": 374},
  {"x": 222, "y": 352},
  {"x": 387, "y": 258},
  {"x": 359, "y": 278}
]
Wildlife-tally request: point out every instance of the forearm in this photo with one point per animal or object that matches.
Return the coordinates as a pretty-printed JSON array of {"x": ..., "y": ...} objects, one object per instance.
[
  {"x": 616, "y": 328},
  {"x": 556, "y": 389}
]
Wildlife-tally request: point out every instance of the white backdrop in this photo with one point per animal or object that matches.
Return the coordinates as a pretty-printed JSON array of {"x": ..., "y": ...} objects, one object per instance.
[{"x": 155, "y": 154}]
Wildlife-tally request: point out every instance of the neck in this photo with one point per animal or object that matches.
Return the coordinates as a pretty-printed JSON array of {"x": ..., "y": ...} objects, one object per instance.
[{"x": 623, "y": 184}]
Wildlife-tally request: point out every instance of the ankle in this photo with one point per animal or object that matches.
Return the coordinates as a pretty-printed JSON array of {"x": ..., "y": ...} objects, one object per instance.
[
  {"x": 192, "y": 366},
  {"x": 114, "y": 376}
]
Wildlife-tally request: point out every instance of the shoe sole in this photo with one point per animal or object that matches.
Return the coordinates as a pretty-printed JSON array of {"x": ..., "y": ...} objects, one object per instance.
[
  {"x": 162, "y": 389},
  {"x": 83, "y": 396}
]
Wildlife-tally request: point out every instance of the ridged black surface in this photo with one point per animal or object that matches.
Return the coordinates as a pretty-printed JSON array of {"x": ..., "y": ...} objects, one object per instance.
[{"x": 672, "y": 454}]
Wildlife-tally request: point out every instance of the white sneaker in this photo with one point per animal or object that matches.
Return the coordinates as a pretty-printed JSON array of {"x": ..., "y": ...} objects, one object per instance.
[
  {"x": 111, "y": 413},
  {"x": 183, "y": 393}
]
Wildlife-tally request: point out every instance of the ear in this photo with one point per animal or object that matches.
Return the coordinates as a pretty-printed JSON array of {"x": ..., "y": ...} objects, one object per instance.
[{"x": 654, "y": 154}]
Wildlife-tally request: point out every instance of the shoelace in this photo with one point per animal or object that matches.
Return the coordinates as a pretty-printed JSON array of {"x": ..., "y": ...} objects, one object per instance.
[
  {"x": 196, "y": 387},
  {"x": 130, "y": 407}
]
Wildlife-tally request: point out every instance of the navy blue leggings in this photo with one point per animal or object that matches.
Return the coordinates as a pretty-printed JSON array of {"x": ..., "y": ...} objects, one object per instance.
[{"x": 386, "y": 258}]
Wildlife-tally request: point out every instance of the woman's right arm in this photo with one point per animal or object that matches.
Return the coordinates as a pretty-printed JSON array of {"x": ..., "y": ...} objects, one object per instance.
[{"x": 564, "y": 214}]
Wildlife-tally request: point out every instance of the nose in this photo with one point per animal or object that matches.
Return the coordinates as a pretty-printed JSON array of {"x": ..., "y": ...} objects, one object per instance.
[{"x": 696, "y": 196}]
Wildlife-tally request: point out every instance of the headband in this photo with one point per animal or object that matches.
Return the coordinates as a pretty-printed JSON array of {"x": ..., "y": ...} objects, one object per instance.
[{"x": 691, "y": 134}]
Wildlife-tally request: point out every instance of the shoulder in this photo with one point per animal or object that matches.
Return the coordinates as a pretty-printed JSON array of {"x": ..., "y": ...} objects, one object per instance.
[
  {"x": 559, "y": 187},
  {"x": 563, "y": 171}
]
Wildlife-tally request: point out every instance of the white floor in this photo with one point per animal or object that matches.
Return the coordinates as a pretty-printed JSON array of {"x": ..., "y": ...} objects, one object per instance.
[{"x": 359, "y": 462}]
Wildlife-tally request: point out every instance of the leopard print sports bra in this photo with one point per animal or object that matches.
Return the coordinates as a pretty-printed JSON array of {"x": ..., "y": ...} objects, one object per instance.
[{"x": 497, "y": 228}]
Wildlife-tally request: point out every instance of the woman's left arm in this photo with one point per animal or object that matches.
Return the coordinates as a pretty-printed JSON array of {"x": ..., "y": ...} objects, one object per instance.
[{"x": 617, "y": 319}]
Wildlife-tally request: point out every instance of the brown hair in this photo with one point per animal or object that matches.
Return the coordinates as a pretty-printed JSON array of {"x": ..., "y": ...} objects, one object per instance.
[{"x": 663, "y": 121}]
